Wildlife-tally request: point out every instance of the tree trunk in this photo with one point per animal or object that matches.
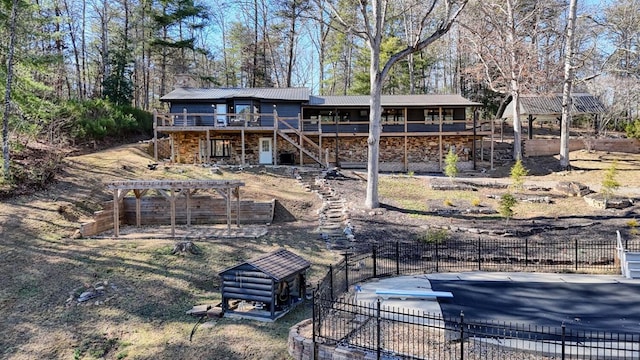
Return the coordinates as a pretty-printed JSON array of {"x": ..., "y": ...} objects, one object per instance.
[
  {"x": 375, "y": 112},
  {"x": 514, "y": 85},
  {"x": 7, "y": 95},
  {"x": 567, "y": 87}
]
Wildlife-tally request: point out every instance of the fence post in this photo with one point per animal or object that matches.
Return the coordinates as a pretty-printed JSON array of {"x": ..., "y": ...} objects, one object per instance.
[
  {"x": 378, "y": 332},
  {"x": 563, "y": 340},
  {"x": 374, "y": 253},
  {"x": 346, "y": 272},
  {"x": 461, "y": 335},
  {"x": 331, "y": 281},
  {"x": 313, "y": 324},
  {"x": 479, "y": 256},
  {"x": 526, "y": 251},
  {"x": 397, "y": 258},
  {"x": 576, "y": 240},
  {"x": 437, "y": 259}
]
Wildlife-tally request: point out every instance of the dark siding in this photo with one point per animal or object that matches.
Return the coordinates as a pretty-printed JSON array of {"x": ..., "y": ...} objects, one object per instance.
[{"x": 199, "y": 108}]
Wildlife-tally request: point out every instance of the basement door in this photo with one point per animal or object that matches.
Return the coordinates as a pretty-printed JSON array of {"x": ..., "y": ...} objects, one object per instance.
[{"x": 266, "y": 151}]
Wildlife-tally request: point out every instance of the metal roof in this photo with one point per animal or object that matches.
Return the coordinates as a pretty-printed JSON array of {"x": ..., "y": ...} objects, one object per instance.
[
  {"x": 293, "y": 94},
  {"x": 583, "y": 103},
  {"x": 302, "y": 95},
  {"x": 278, "y": 264},
  {"x": 392, "y": 100}
]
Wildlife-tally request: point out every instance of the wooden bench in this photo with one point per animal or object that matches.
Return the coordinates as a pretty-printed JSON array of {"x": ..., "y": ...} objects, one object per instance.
[{"x": 405, "y": 294}]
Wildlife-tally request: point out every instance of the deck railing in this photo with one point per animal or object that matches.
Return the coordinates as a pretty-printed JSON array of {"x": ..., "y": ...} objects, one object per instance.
[{"x": 267, "y": 120}]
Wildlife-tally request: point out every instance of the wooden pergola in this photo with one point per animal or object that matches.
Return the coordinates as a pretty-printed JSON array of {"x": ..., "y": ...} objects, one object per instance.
[{"x": 171, "y": 190}]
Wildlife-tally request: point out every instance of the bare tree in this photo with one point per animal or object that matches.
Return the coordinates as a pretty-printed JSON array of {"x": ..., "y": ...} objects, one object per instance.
[
  {"x": 568, "y": 85},
  {"x": 435, "y": 19},
  {"x": 502, "y": 35}
]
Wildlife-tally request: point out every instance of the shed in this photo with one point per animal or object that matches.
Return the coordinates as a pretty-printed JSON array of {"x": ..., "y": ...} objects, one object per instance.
[{"x": 267, "y": 286}]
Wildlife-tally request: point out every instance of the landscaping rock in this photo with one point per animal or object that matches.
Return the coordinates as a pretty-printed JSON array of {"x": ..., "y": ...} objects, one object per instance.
[
  {"x": 572, "y": 188},
  {"x": 598, "y": 201}
]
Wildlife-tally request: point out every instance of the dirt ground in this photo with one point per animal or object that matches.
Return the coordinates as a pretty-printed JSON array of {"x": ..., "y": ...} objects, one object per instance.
[{"x": 145, "y": 290}]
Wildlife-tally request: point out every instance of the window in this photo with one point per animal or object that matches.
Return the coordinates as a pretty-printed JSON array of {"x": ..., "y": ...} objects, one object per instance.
[
  {"x": 432, "y": 116},
  {"x": 393, "y": 116},
  {"x": 220, "y": 148}
]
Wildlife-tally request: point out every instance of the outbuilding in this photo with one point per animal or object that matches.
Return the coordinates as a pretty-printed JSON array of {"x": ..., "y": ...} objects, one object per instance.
[{"x": 266, "y": 287}]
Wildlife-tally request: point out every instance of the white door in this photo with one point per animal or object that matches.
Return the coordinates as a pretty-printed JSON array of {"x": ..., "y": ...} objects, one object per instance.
[{"x": 266, "y": 151}]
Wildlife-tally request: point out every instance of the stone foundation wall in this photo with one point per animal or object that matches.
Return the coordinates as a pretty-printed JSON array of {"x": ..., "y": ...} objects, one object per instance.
[{"x": 423, "y": 153}]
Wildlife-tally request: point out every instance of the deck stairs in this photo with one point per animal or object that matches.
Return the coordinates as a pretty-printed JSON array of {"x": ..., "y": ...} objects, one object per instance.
[
  {"x": 302, "y": 146},
  {"x": 629, "y": 260}
]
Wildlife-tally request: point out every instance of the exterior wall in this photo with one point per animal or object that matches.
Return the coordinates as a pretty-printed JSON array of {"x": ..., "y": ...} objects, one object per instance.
[
  {"x": 423, "y": 153},
  {"x": 187, "y": 147}
]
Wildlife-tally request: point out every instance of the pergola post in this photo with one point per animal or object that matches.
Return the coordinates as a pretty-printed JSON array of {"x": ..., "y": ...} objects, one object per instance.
[
  {"x": 228, "y": 210},
  {"x": 238, "y": 205},
  {"x": 116, "y": 214}
]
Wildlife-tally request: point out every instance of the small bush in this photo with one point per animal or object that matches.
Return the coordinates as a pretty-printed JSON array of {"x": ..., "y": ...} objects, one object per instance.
[
  {"x": 518, "y": 173},
  {"x": 438, "y": 236},
  {"x": 476, "y": 202},
  {"x": 632, "y": 223},
  {"x": 451, "y": 164},
  {"x": 507, "y": 202},
  {"x": 609, "y": 182},
  {"x": 448, "y": 202}
]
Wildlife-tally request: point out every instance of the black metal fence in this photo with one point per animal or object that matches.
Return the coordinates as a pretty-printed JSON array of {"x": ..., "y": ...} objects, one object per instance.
[{"x": 410, "y": 335}]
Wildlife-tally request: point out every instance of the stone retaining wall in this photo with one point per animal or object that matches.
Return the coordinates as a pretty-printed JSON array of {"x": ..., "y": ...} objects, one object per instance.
[{"x": 301, "y": 348}]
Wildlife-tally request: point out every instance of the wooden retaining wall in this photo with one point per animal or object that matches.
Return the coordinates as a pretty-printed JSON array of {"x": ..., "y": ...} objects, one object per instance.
[
  {"x": 548, "y": 147},
  {"x": 102, "y": 220},
  {"x": 157, "y": 211}
]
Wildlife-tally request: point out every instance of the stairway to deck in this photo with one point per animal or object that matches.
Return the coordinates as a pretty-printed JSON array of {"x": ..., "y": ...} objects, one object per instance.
[{"x": 287, "y": 129}]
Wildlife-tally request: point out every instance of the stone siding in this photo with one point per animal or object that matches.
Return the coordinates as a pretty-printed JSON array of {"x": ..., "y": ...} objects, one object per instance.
[{"x": 423, "y": 153}]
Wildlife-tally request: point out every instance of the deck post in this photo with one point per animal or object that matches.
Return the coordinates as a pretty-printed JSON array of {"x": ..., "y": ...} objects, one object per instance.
[
  {"x": 208, "y": 147},
  {"x": 440, "y": 139},
  {"x": 275, "y": 136},
  {"x": 243, "y": 145},
  {"x": 155, "y": 134}
]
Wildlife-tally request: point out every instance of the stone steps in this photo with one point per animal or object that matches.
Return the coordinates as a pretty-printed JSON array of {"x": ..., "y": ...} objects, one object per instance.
[{"x": 333, "y": 216}]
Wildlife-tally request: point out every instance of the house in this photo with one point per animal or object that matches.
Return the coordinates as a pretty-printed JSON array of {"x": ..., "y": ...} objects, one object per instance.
[
  {"x": 548, "y": 108},
  {"x": 279, "y": 126},
  {"x": 267, "y": 286}
]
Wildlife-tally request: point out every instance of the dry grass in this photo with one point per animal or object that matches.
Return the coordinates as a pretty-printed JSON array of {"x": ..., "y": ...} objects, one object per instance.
[{"x": 142, "y": 316}]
